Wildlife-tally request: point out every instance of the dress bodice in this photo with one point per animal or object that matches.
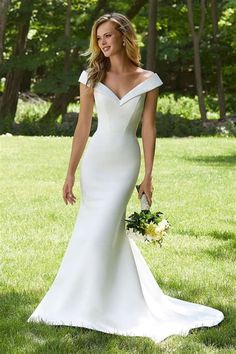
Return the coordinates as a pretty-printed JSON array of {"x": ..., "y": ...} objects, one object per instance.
[{"x": 125, "y": 113}]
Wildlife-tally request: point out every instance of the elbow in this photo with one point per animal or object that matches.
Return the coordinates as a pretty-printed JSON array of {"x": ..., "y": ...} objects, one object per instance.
[
  {"x": 83, "y": 124},
  {"x": 149, "y": 129},
  {"x": 82, "y": 130}
]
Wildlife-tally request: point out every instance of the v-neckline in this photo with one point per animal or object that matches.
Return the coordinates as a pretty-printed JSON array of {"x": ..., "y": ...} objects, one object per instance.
[{"x": 127, "y": 93}]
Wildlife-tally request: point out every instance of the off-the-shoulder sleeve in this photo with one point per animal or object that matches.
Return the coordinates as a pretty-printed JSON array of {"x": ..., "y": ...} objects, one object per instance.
[
  {"x": 156, "y": 81},
  {"x": 83, "y": 77}
]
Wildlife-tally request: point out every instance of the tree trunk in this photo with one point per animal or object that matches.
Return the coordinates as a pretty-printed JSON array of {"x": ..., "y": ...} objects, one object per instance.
[
  {"x": 196, "y": 37},
  {"x": 67, "y": 59},
  {"x": 13, "y": 79},
  {"x": 4, "y": 4},
  {"x": 135, "y": 7},
  {"x": 61, "y": 100},
  {"x": 219, "y": 76},
  {"x": 152, "y": 35},
  {"x": 26, "y": 80}
]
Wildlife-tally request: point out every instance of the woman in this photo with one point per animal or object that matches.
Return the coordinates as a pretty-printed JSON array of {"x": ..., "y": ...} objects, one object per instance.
[{"x": 103, "y": 282}]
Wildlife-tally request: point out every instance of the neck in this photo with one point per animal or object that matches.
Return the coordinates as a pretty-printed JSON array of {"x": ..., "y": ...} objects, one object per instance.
[{"x": 120, "y": 63}]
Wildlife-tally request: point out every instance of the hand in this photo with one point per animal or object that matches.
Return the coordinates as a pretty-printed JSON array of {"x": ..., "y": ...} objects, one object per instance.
[
  {"x": 147, "y": 188},
  {"x": 68, "y": 195}
]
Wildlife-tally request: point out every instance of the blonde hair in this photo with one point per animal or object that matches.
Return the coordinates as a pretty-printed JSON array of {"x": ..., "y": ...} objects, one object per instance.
[{"x": 98, "y": 63}]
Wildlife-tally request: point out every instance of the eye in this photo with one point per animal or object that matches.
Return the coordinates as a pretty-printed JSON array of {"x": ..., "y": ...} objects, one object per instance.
[{"x": 108, "y": 35}]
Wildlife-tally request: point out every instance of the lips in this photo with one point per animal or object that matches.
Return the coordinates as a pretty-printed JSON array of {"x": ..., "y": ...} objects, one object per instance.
[{"x": 106, "y": 48}]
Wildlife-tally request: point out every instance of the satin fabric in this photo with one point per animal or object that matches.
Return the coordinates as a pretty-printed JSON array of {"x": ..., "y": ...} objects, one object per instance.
[{"x": 103, "y": 282}]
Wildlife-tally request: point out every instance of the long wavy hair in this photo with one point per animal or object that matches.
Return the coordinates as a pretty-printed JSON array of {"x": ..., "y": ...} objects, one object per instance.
[{"x": 97, "y": 62}]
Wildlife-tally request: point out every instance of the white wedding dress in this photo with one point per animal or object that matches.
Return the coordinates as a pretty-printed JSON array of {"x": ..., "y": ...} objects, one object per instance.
[{"x": 103, "y": 282}]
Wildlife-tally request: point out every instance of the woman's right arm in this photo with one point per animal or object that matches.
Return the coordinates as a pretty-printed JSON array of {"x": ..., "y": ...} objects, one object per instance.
[{"x": 80, "y": 138}]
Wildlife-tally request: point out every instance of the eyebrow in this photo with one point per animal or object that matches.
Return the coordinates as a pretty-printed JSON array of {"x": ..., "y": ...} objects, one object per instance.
[{"x": 105, "y": 33}]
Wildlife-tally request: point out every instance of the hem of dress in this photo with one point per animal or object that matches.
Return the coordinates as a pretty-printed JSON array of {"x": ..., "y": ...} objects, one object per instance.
[{"x": 83, "y": 324}]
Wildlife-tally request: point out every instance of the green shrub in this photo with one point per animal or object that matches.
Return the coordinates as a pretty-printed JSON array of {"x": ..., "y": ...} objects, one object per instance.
[
  {"x": 31, "y": 111},
  {"x": 179, "y": 105},
  {"x": 177, "y": 115}
]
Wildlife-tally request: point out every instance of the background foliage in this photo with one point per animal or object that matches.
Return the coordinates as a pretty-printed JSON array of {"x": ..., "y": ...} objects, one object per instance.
[{"x": 50, "y": 63}]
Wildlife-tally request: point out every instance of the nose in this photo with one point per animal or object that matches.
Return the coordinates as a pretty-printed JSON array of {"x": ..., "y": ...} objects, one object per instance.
[{"x": 104, "y": 40}]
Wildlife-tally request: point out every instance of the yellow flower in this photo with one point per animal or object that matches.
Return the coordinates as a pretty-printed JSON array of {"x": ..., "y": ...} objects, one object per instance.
[
  {"x": 154, "y": 232},
  {"x": 151, "y": 229}
]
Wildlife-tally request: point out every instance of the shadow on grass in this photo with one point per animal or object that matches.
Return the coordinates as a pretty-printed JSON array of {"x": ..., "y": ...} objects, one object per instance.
[
  {"x": 221, "y": 335},
  {"x": 225, "y": 251},
  {"x": 217, "y": 234},
  {"x": 228, "y": 251},
  {"x": 222, "y": 235},
  {"x": 39, "y": 338},
  {"x": 18, "y": 334},
  {"x": 219, "y": 161},
  {"x": 188, "y": 290}
]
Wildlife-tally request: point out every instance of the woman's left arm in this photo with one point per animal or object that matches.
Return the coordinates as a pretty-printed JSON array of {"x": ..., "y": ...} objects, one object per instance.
[{"x": 148, "y": 133}]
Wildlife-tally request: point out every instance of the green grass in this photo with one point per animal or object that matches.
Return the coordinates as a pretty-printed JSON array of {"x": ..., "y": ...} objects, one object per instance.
[{"x": 194, "y": 181}]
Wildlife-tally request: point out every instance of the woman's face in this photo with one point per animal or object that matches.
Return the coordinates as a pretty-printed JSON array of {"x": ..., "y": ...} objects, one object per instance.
[{"x": 109, "y": 39}]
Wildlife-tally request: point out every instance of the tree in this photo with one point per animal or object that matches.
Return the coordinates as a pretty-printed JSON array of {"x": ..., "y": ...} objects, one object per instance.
[
  {"x": 196, "y": 37},
  {"x": 134, "y": 8},
  {"x": 152, "y": 34},
  {"x": 9, "y": 100},
  {"x": 219, "y": 76},
  {"x": 4, "y": 4},
  {"x": 62, "y": 99}
]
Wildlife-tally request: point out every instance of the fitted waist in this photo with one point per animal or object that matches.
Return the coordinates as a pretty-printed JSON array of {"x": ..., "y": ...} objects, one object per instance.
[
  {"x": 116, "y": 135},
  {"x": 114, "y": 143}
]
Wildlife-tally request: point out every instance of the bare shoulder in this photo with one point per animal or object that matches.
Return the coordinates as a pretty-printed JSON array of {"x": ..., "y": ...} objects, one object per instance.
[
  {"x": 148, "y": 72},
  {"x": 145, "y": 74}
]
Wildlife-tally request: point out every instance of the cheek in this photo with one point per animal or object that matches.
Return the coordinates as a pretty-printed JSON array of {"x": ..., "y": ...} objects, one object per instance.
[{"x": 115, "y": 42}]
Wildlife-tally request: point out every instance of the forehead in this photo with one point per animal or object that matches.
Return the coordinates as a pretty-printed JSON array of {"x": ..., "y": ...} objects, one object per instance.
[{"x": 107, "y": 26}]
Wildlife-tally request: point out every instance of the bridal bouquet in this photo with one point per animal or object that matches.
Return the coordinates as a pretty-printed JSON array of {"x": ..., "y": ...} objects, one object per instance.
[{"x": 147, "y": 226}]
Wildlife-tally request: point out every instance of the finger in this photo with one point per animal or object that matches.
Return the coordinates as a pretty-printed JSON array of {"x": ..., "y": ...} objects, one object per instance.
[
  {"x": 71, "y": 198},
  {"x": 65, "y": 200},
  {"x": 71, "y": 194},
  {"x": 64, "y": 196},
  {"x": 70, "y": 190}
]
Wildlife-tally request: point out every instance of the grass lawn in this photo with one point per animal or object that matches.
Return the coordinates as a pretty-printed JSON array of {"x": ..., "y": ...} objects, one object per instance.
[{"x": 194, "y": 181}]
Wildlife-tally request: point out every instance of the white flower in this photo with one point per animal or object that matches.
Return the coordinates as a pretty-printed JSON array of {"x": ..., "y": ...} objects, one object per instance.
[{"x": 162, "y": 225}]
